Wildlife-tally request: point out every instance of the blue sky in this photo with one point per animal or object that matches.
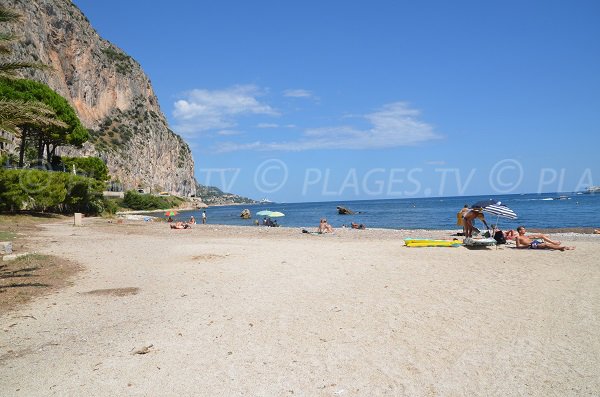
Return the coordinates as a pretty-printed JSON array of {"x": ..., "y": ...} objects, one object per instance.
[{"x": 338, "y": 100}]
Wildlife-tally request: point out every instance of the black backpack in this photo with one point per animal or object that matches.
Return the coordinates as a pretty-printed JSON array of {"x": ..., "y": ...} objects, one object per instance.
[{"x": 499, "y": 237}]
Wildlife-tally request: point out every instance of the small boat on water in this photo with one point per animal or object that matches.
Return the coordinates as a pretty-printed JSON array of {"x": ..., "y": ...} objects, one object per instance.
[{"x": 592, "y": 189}]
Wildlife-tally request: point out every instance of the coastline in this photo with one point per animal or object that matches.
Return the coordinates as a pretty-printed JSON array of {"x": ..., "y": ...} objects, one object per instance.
[
  {"x": 196, "y": 207},
  {"x": 428, "y": 213},
  {"x": 262, "y": 311},
  {"x": 448, "y": 233}
]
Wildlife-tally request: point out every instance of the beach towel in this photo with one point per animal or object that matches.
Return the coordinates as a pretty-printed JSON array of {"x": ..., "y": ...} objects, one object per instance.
[{"x": 308, "y": 232}]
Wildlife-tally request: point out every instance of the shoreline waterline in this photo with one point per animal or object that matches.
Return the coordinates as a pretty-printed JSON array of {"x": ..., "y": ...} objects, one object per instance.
[{"x": 578, "y": 234}]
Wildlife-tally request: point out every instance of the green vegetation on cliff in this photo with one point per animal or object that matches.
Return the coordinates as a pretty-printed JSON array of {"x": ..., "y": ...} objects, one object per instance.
[{"x": 121, "y": 60}]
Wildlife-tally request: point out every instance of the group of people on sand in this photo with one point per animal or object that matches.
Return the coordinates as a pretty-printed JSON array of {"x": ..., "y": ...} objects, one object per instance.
[
  {"x": 466, "y": 216},
  {"x": 325, "y": 227},
  {"x": 270, "y": 222},
  {"x": 186, "y": 225}
]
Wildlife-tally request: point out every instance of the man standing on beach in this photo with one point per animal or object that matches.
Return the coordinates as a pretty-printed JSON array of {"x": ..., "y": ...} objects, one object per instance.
[
  {"x": 204, "y": 217},
  {"x": 459, "y": 217},
  {"x": 468, "y": 219}
]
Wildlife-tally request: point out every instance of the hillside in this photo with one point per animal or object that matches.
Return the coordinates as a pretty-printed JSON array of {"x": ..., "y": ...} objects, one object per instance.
[
  {"x": 111, "y": 93},
  {"x": 212, "y": 195}
]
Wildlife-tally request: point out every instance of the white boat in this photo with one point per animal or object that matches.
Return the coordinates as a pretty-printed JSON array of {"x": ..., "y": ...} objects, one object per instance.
[{"x": 592, "y": 189}]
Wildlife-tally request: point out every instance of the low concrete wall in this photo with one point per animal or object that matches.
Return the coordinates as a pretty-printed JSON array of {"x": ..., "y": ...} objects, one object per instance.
[
  {"x": 5, "y": 247},
  {"x": 113, "y": 194}
]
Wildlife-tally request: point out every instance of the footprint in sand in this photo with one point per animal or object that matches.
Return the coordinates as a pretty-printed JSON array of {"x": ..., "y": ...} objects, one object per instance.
[
  {"x": 114, "y": 291},
  {"x": 207, "y": 257}
]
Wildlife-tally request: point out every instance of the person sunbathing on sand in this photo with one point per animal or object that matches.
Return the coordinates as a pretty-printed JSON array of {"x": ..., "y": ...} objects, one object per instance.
[
  {"x": 540, "y": 241},
  {"x": 508, "y": 235},
  {"x": 181, "y": 225},
  {"x": 325, "y": 227}
]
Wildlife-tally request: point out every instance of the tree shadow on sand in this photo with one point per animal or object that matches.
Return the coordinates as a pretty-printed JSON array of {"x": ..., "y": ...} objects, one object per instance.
[
  {"x": 25, "y": 272},
  {"x": 22, "y": 285}
]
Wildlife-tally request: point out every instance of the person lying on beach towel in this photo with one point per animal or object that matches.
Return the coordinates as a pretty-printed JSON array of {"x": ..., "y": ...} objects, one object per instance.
[
  {"x": 502, "y": 237},
  {"x": 538, "y": 241},
  {"x": 181, "y": 225},
  {"x": 357, "y": 226},
  {"x": 309, "y": 232}
]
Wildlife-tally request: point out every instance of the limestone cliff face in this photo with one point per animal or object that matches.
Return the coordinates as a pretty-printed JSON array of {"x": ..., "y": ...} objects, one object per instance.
[{"x": 110, "y": 92}]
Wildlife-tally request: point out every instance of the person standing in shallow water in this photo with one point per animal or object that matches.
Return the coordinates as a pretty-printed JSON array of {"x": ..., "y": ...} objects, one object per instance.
[{"x": 204, "y": 217}]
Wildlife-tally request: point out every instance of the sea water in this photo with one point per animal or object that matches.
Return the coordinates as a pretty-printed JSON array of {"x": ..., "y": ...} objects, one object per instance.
[{"x": 549, "y": 210}]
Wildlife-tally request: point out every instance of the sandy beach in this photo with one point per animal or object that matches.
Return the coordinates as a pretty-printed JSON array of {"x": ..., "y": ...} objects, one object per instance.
[{"x": 244, "y": 311}]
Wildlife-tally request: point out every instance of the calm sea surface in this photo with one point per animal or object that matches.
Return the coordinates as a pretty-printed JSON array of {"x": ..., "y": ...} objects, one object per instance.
[{"x": 533, "y": 210}]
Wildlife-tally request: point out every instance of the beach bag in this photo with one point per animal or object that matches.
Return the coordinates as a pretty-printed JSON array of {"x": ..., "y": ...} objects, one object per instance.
[{"x": 499, "y": 237}]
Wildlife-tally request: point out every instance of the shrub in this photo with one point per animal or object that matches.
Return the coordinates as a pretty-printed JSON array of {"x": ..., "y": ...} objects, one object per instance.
[
  {"x": 110, "y": 206},
  {"x": 137, "y": 201},
  {"x": 59, "y": 192}
]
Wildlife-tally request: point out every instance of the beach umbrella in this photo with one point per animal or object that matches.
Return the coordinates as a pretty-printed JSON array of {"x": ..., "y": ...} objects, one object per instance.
[
  {"x": 171, "y": 213},
  {"x": 264, "y": 213},
  {"x": 500, "y": 210},
  {"x": 276, "y": 214},
  {"x": 485, "y": 203},
  {"x": 495, "y": 207}
]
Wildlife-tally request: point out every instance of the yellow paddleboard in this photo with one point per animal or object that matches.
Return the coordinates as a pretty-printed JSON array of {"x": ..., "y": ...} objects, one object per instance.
[{"x": 420, "y": 242}]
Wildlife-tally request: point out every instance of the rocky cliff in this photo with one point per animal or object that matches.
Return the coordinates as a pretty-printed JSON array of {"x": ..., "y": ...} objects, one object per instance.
[{"x": 110, "y": 92}]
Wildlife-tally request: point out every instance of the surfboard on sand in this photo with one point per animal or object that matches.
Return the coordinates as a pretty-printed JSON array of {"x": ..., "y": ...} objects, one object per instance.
[{"x": 423, "y": 242}]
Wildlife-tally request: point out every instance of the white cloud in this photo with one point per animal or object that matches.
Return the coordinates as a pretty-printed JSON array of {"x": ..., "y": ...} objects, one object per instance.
[
  {"x": 275, "y": 125},
  {"x": 201, "y": 110},
  {"x": 393, "y": 125},
  {"x": 297, "y": 93},
  {"x": 228, "y": 132},
  {"x": 267, "y": 125}
]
